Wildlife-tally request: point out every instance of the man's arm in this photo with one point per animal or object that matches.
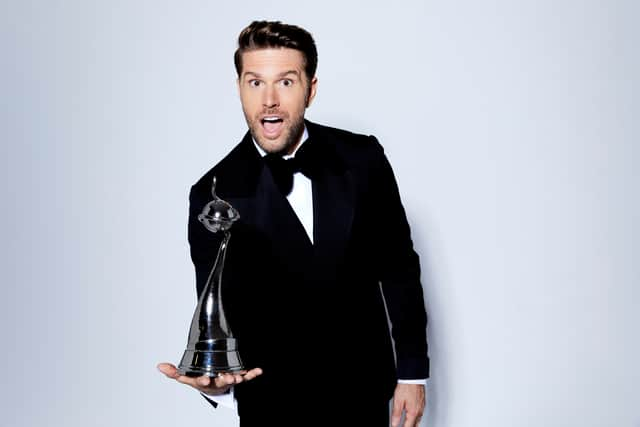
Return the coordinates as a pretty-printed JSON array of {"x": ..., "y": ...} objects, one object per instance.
[{"x": 400, "y": 279}]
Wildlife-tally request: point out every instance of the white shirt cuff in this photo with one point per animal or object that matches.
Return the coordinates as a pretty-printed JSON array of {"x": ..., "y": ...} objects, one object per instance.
[
  {"x": 227, "y": 400},
  {"x": 419, "y": 382}
]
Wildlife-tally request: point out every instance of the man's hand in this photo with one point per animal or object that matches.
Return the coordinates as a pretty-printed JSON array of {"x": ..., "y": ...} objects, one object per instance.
[
  {"x": 410, "y": 398},
  {"x": 207, "y": 385}
]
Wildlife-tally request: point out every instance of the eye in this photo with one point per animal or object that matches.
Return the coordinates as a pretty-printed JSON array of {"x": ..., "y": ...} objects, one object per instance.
[
  {"x": 287, "y": 82},
  {"x": 254, "y": 83}
]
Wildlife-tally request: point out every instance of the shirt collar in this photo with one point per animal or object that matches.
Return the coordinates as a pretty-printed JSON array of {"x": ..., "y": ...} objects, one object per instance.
[{"x": 303, "y": 139}]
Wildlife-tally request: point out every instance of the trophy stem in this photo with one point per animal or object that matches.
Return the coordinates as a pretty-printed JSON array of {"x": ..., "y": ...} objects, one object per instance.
[
  {"x": 211, "y": 298},
  {"x": 211, "y": 348}
]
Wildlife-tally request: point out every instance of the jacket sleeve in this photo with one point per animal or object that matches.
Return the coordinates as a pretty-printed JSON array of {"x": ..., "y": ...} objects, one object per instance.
[{"x": 399, "y": 275}]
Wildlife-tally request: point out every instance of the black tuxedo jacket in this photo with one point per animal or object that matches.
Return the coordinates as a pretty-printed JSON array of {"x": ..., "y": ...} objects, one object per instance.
[{"x": 313, "y": 314}]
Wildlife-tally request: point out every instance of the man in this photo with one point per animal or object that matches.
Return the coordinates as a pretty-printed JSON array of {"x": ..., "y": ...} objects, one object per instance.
[{"x": 315, "y": 245}]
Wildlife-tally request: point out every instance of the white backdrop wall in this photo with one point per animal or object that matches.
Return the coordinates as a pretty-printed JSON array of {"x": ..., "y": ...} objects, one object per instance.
[{"x": 513, "y": 130}]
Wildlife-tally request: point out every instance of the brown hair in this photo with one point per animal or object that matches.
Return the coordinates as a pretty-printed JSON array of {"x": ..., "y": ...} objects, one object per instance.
[{"x": 275, "y": 34}]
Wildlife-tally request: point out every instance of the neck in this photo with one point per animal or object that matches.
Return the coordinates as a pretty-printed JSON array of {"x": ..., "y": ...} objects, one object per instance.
[{"x": 291, "y": 150}]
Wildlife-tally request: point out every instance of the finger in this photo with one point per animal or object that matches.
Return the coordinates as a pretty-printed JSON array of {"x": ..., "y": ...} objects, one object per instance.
[
  {"x": 169, "y": 370},
  {"x": 396, "y": 413},
  {"x": 409, "y": 420},
  {"x": 203, "y": 381},
  {"x": 224, "y": 380},
  {"x": 252, "y": 374}
]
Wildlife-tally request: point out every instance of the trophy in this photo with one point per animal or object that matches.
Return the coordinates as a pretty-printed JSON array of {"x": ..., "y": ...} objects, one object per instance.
[{"x": 211, "y": 348}]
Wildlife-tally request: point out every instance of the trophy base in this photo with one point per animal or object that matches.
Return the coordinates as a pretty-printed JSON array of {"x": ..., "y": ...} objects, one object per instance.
[{"x": 211, "y": 358}]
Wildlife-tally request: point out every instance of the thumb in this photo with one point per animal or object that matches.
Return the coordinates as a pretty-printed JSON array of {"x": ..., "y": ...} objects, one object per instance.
[{"x": 168, "y": 369}]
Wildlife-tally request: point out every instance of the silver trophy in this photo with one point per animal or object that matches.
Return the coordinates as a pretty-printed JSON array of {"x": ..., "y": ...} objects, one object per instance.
[{"x": 211, "y": 348}]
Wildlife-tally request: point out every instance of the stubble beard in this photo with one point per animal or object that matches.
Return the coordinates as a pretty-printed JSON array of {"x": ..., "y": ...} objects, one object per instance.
[{"x": 290, "y": 137}]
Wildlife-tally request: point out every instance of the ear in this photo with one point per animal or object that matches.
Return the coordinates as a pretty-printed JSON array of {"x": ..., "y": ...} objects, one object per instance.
[{"x": 313, "y": 87}]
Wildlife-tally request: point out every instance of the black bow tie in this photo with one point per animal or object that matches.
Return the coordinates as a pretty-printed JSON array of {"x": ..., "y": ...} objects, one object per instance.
[{"x": 282, "y": 170}]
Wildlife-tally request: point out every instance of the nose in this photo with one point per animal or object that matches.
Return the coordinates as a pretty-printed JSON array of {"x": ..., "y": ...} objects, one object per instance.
[{"x": 270, "y": 97}]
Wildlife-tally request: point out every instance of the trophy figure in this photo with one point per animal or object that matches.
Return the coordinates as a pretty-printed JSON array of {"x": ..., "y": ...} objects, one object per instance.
[{"x": 211, "y": 348}]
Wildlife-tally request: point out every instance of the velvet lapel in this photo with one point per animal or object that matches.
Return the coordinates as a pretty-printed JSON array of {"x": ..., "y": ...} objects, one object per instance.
[
  {"x": 333, "y": 205},
  {"x": 263, "y": 209}
]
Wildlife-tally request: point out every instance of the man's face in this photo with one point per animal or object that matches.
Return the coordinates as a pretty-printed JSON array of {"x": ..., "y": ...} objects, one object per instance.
[{"x": 275, "y": 92}]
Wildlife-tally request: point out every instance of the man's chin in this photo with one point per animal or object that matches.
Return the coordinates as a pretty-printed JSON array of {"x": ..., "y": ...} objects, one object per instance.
[
  {"x": 272, "y": 146},
  {"x": 280, "y": 144}
]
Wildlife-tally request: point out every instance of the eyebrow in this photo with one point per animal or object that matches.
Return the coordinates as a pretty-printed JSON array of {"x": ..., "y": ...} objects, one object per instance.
[{"x": 283, "y": 74}]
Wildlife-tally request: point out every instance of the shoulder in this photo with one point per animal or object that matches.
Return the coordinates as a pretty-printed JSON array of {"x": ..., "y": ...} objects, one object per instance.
[
  {"x": 353, "y": 148},
  {"x": 232, "y": 171},
  {"x": 226, "y": 163}
]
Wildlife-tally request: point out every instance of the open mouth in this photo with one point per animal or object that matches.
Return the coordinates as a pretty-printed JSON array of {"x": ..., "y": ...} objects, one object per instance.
[{"x": 271, "y": 125}]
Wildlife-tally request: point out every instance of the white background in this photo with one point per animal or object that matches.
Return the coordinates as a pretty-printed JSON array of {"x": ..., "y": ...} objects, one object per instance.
[{"x": 513, "y": 130}]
